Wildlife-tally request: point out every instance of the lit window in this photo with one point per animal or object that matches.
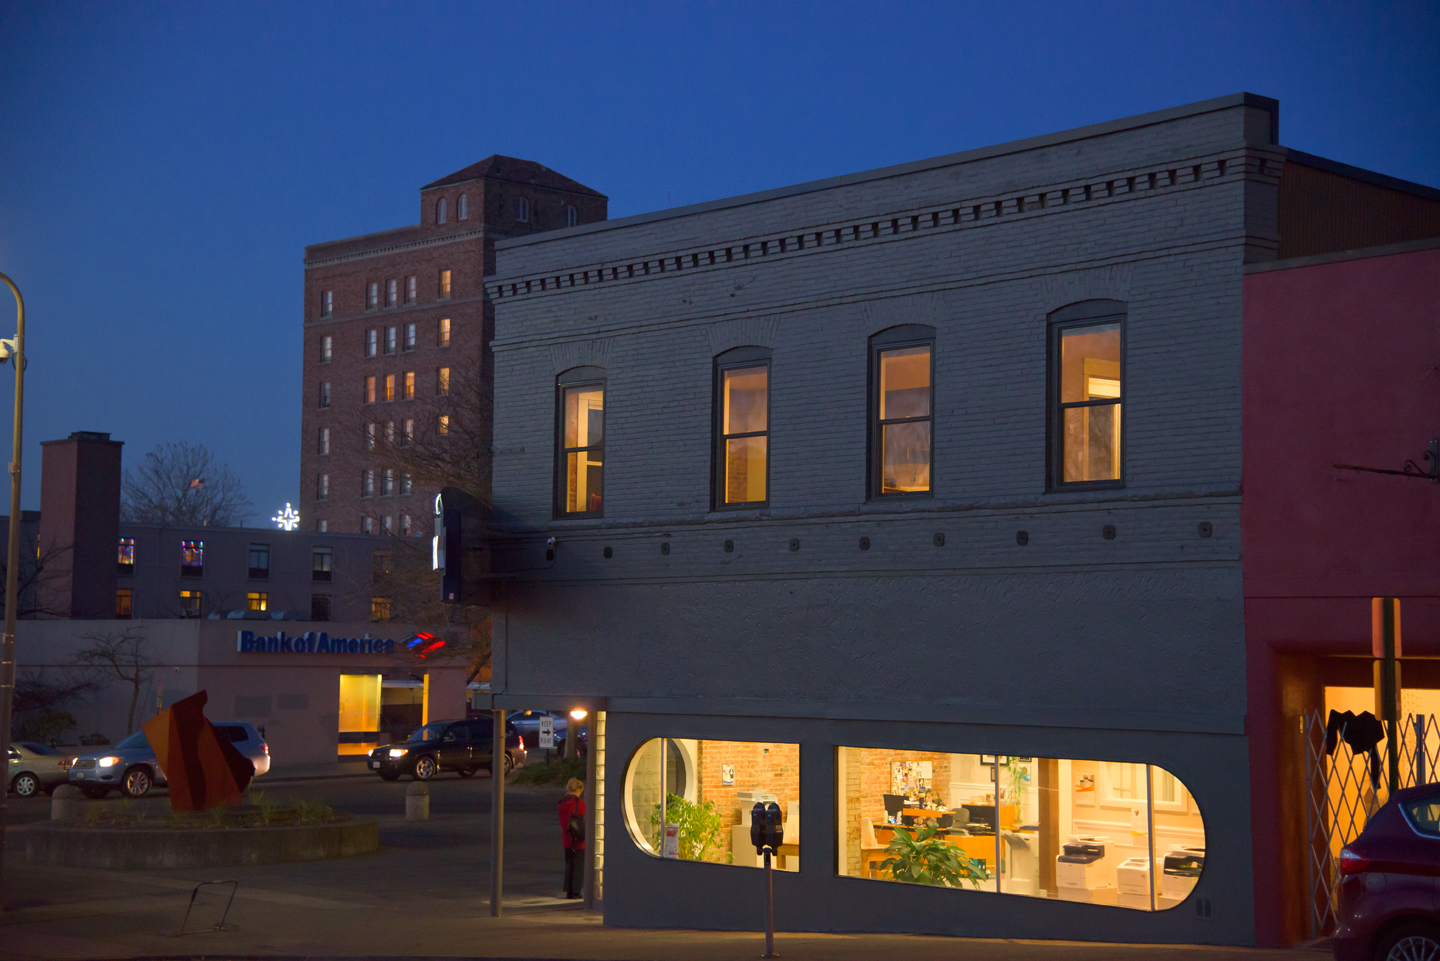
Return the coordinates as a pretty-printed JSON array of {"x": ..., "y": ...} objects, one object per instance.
[
  {"x": 405, "y": 484},
  {"x": 126, "y": 559},
  {"x": 405, "y": 525},
  {"x": 522, "y": 209},
  {"x": 442, "y": 381},
  {"x": 369, "y": 389},
  {"x": 392, "y": 292},
  {"x": 321, "y": 559},
  {"x": 445, "y": 283},
  {"x": 327, "y": 303},
  {"x": 442, "y": 424},
  {"x": 409, "y": 388},
  {"x": 409, "y": 290},
  {"x": 259, "y": 562},
  {"x": 322, "y": 487},
  {"x": 124, "y": 603},
  {"x": 379, "y": 608},
  {"x": 571, "y": 218},
  {"x": 319, "y": 607},
  {"x": 326, "y": 346},
  {"x": 440, "y": 211},
  {"x": 257, "y": 601},
  {"x": 443, "y": 339},
  {"x": 390, "y": 337},
  {"x": 407, "y": 434},
  {"x": 697, "y": 781},
  {"x": 367, "y": 483},
  {"x": 387, "y": 483},
  {"x": 385, "y": 525},
  {"x": 372, "y": 343},
  {"x": 582, "y": 443},
  {"x": 743, "y": 441},
  {"x": 1087, "y": 371},
  {"x": 389, "y": 387},
  {"x": 370, "y": 435},
  {"x": 462, "y": 208},
  {"x": 372, "y": 295},
  {"x": 325, "y": 393},
  {"x": 322, "y": 444},
  {"x": 367, "y": 525},
  {"x": 189, "y": 603},
  {"x": 192, "y": 558},
  {"x": 901, "y": 364},
  {"x": 409, "y": 336},
  {"x": 984, "y": 807}
]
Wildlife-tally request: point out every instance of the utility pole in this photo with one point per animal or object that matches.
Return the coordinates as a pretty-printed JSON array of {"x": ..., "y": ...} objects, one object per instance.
[
  {"x": 1385, "y": 645},
  {"x": 11, "y": 350}
]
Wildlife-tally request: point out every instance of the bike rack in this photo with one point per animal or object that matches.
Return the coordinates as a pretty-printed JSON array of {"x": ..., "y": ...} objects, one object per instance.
[{"x": 234, "y": 886}]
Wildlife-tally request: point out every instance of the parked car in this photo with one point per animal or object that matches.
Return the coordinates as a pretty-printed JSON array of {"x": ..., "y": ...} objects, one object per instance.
[
  {"x": 34, "y": 768},
  {"x": 1387, "y": 908},
  {"x": 131, "y": 767},
  {"x": 528, "y": 724},
  {"x": 463, "y": 746}
]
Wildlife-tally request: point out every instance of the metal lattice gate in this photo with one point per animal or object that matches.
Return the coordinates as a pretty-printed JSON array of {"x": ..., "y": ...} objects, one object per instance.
[{"x": 1343, "y": 790}]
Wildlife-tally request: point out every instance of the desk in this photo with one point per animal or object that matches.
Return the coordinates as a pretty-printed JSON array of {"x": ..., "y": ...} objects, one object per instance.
[
  {"x": 784, "y": 851},
  {"x": 980, "y": 847}
]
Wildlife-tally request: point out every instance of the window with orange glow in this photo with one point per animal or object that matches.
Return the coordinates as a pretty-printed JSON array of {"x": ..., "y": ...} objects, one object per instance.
[
  {"x": 1087, "y": 377},
  {"x": 582, "y": 448},
  {"x": 902, "y": 426},
  {"x": 744, "y": 441}
]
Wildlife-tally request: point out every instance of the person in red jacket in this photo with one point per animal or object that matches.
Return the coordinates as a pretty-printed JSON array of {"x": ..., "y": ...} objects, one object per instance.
[{"x": 572, "y": 834}]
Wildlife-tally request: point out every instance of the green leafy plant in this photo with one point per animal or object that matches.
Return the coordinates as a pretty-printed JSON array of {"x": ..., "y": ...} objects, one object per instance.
[
  {"x": 217, "y": 816},
  {"x": 125, "y": 805},
  {"x": 1019, "y": 779},
  {"x": 313, "y": 810},
  {"x": 701, "y": 826},
  {"x": 926, "y": 858}
]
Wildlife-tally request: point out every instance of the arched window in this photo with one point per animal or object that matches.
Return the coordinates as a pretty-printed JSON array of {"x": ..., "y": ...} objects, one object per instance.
[
  {"x": 742, "y": 428},
  {"x": 522, "y": 209},
  {"x": 1087, "y": 378},
  {"x": 440, "y": 211},
  {"x": 902, "y": 395},
  {"x": 462, "y": 209},
  {"x": 571, "y": 218},
  {"x": 580, "y": 471}
]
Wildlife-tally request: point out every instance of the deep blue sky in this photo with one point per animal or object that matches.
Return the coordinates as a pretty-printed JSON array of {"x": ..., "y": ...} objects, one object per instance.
[{"x": 163, "y": 165}]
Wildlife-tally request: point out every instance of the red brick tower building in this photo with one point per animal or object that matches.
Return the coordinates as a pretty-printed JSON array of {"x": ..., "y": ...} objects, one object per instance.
[{"x": 393, "y": 318}]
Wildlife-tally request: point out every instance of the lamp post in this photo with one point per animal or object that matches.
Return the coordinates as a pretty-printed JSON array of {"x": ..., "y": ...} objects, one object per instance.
[{"x": 16, "y": 350}]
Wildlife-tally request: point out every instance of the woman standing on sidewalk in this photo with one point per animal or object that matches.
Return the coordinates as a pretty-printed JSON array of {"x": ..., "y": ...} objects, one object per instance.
[{"x": 572, "y": 833}]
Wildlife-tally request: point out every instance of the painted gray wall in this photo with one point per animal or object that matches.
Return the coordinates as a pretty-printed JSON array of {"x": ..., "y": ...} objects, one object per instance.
[{"x": 1126, "y": 649}]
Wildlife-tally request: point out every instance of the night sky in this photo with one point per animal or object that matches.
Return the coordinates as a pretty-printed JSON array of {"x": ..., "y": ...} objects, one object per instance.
[{"x": 162, "y": 166}]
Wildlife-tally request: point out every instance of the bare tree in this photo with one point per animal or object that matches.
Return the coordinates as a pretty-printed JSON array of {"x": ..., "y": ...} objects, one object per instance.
[
  {"x": 39, "y": 699},
  {"x": 34, "y": 595},
  {"x": 120, "y": 655},
  {"x": 438, "y": 440},
  {"x": 182, "y": 484}
]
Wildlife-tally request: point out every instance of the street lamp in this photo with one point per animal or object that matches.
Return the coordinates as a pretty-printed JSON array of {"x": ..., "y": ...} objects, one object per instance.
[{"x": 11, "y": 350}]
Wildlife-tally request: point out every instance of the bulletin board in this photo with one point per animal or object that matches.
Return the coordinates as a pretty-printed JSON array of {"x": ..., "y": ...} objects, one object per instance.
[{"x": 909, "y": 777}]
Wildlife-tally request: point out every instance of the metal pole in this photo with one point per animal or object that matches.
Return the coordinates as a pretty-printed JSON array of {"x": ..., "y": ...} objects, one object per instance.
[
  {"x": 769, "y": 908},
  {"x": 497, "y": 812},
  {"x": 1420, "y": 757},
  {"x": 1152, "y": 874},
  {"x": 1390, "y": 691},
  {"x": 12, "y": 562}
]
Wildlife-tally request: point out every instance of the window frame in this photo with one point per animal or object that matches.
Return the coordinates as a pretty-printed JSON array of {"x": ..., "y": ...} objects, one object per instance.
[
  {"x": 372, "y": 295},
  {"x": 327, "y": 348},
  {"x": 739, "y": 358},
  {"x": 441, "y": 211},
  {"x": 894, "y": 338},
  {"x": 409, "y": 343},
  {"x": 1086, "y": 313},
  {"x": 522, "y": 210},
  {"x": 442, "y": 332},
  {"x": 572, "y": 216},
  {"x": 259, "y": 551},
  {"x": 569, "y": 380},
  {"x": 445, "y": 283},
  {"x": 322, "y": 487},
  {"x": 327, "y": 303},
  {"x": 462, "y": 208}
]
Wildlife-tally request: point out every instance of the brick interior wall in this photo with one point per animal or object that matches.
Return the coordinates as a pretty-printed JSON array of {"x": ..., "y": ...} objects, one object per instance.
[{"x": 774, "y": 768}]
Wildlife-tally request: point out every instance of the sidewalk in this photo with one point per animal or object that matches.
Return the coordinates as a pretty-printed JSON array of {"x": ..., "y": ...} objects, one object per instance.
[{"x": 283, "y": 773}]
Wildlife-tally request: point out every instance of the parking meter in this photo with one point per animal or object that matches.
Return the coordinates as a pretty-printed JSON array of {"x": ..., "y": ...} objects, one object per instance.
[
  {"x": 774, "y": 829},
  {"x": 757, "y": 827}
]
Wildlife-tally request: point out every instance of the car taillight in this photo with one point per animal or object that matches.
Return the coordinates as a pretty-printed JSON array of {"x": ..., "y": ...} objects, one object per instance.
[
  {"x": 1352, "y": 863},
  {"x": 265, "y": 747}
]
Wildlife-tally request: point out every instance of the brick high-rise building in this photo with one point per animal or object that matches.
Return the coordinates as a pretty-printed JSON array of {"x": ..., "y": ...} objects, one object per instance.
[{"x": 392, "y": 317}]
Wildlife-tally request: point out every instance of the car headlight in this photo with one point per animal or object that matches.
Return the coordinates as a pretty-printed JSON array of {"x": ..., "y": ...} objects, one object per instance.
[
  {"x": 399, "y": 751},
  {"x": 108, "y": 761}
]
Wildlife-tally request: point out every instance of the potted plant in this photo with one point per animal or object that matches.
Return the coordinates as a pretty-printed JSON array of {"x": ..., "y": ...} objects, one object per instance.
[
  {"x": 701, "y": 826},
  {"x": 927, "y": 858}
]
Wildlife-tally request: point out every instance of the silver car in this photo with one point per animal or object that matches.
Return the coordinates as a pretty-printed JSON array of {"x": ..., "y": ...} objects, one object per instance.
[
  {"x": 35, "y": 768},
  {"x": 131, "y": 767}
]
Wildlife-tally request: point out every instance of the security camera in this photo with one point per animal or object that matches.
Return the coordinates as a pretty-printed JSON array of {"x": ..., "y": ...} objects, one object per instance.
[{"x": 550, "y": 542}]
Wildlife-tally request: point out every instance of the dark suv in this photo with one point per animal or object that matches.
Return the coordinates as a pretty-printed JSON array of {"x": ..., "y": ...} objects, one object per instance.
[
  {"x": 1387, "y": 908},
  {"x": 461, "y": 746}
]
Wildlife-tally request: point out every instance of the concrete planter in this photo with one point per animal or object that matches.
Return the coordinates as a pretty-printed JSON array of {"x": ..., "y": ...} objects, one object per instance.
[{"x": 76, "y": 846}]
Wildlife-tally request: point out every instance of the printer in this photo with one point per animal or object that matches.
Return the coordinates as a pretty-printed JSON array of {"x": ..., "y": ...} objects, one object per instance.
[
  {"x": 1182, "y": 867},
  {"x": 1081, "y": 866},
  {"x": 1132, "y": 879}
]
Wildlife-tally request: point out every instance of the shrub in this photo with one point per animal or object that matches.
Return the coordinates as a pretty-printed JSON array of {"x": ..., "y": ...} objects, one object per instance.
[{"x": 558, "y": 771}]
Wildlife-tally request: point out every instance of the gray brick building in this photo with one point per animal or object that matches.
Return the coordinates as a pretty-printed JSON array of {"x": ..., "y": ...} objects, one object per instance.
[{"x": 997, "y": 599}]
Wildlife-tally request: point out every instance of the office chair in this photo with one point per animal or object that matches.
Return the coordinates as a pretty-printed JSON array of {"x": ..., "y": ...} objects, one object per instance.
[{"x": 894, "y": 805}]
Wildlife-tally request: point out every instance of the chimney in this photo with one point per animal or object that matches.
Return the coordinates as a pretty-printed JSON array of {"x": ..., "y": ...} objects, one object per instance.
[{"x": 80, "y": 524}]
